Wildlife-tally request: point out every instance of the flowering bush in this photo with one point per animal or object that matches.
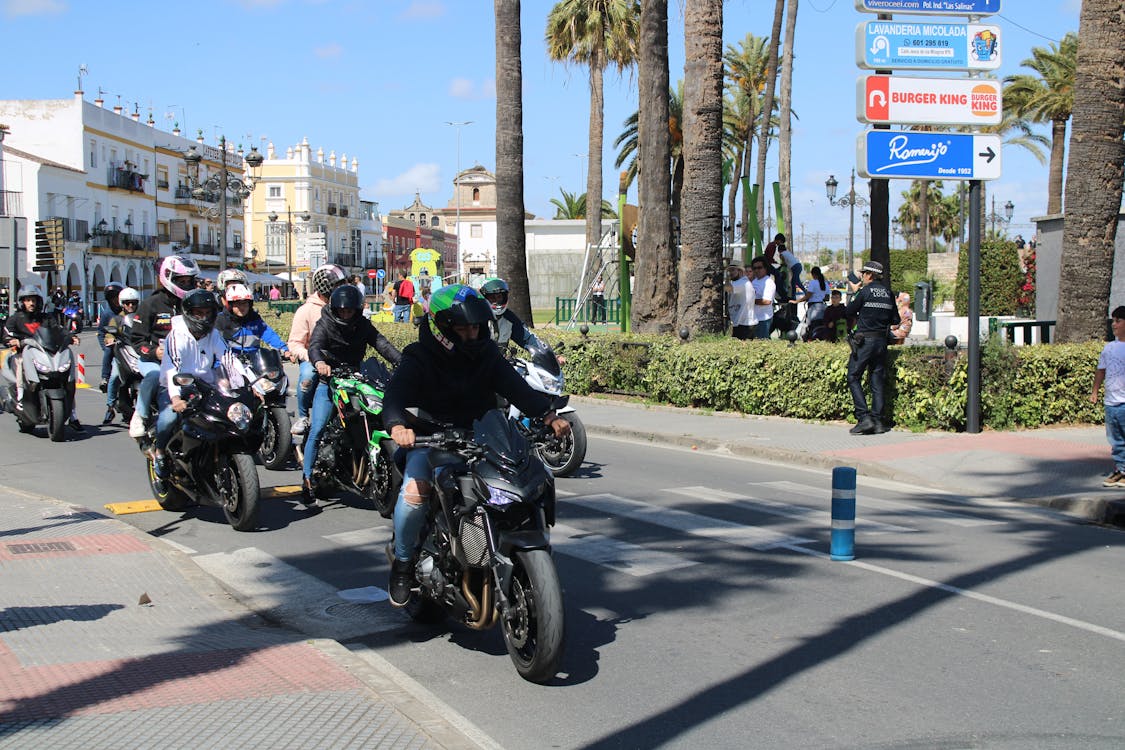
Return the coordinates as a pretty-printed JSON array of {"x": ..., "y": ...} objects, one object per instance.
[{"x": 1025, "y": 299}]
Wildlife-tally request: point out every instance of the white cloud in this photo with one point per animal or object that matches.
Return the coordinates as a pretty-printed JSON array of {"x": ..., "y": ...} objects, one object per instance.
[
  {"x": 13, "y": 8},
  {"x": 422, "y": 178},
  {"x": 329, "y": 51},
  {"x": 420, "y": 11},
  {"x": 465, "y": 88}
]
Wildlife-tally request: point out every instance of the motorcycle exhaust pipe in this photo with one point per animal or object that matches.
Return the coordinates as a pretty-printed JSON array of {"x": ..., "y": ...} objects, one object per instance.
[{"x": 482, "y": 614}]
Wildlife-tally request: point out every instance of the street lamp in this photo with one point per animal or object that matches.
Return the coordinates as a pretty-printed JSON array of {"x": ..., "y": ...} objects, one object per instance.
[
  {"x": 849, "y": 201},
  {"x": 457, "y": 194},
  {"x": 289, "y": 230},
  {"x": 1006, "y": 218},
  {"x": 224, "y": 182}
]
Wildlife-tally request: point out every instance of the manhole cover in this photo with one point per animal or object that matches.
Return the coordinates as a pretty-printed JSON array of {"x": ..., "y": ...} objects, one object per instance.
[
  {"x": 349, "y": 610},
  {"x": 23, "y": 549}
]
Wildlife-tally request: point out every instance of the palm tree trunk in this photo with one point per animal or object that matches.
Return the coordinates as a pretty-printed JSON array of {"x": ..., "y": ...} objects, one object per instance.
[
  {"x": 785, "y": 136},
  {"x": 1094, "y": 179},
  {"x": 767, "y": 107},
  {"x": 654, "y": 298},
  {"x": 700, "y": 302},
  {"x": 594, "y": 157},
  {"x": 511, "y": 240},
  {"x": 1055, "y": 171}
]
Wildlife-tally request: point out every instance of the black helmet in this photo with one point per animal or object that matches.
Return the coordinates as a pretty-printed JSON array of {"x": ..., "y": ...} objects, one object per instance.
[
  {"x": 200, "y": 325},
  {"x": 111, "y": 291},
  {"x": 348, "y": 297},
  {"x": 458, "y": 305}
]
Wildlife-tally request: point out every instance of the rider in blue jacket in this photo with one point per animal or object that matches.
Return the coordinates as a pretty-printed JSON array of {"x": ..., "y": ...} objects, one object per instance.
[{"x": 242, "y": 326}]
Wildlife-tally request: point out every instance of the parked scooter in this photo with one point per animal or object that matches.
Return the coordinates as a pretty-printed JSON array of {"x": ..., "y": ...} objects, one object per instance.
[
  {"x": 485, "y": 553},
  {"x": 210, "y": 455},
  {"x": 355, "y": 454},
  {"x": 542, "y": 372},
  {"x": 48, "y": 377}
]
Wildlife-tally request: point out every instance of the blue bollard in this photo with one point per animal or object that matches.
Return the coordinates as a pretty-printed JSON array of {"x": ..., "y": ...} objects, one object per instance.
[{"x": 843, "y": 513}]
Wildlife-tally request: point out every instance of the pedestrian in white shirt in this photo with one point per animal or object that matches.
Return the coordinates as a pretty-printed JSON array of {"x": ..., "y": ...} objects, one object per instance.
[
  {"x": 765, "y": 290},
  {"x": 740, "y": 304}
]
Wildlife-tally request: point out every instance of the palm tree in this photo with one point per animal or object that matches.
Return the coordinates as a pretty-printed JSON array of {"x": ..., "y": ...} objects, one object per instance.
[
  {"x": 573, "y": 206},
  {"x": 657, "y": 144},
  {"x": 1094, "y": 176},
  {"x": 511, "y": 239},
  {"x": 785, "y": 133},
  {"x": 768, "y": 102},
  {"x": 1048, "y": 97},
  {"x": 594, "y": 33},
  {"x": 628, "y": 144},
  {"x": 700, "y": 293}
]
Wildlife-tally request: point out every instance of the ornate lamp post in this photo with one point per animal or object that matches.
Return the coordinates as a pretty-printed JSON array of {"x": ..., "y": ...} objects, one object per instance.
[
  {"x": 1006, "y": 218},
  {"x": 221, "y": 184},
  {"x": 849, "y": 201}
]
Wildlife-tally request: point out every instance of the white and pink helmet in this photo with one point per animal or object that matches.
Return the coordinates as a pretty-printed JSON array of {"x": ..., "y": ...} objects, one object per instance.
[{"x": 178, "y": 267}]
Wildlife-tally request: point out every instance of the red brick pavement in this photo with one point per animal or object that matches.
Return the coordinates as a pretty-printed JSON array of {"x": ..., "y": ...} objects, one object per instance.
[
  {"x": 163, "y": 680},
  {"x": 89, "y": 544}
]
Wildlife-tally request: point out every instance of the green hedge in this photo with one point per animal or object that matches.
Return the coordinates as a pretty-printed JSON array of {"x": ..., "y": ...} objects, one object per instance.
[
  {"x": 1021, "y": 386},
  {"x": 1001, "y": 277},
  {"x": 907, "y": 263}
]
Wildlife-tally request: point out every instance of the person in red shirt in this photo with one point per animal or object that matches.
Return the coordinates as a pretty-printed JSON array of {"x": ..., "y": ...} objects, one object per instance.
[{"x": 404, "y": 298}]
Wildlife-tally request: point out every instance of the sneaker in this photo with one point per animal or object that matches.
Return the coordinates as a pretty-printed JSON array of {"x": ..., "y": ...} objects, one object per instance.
[
  {"x": 865, "y": 426},
  {"x": 109, "y": 415},
  {"x": 159, "y": 465},
  {"x": 880, "y": 427},
  {"x": 1116, "y": 479},
  {"x": 402, "y": 574},
  {"x": 104, "y": 386},
  {"x": 76, "y": 425},
  {"x": 300, "y": 427},
  {"x": 137, "y": 426},
  {"x": 308, "y": 494}
]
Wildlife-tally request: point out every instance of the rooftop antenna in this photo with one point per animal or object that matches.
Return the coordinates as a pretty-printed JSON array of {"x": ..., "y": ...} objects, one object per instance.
[{"x": 82, "y": 70}]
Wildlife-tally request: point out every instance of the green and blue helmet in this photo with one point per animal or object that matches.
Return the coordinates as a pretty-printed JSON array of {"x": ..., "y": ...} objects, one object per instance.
[{"x": 458, "y": 305}]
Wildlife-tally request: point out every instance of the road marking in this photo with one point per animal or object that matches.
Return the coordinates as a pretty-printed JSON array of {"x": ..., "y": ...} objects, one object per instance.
[
  {"x": 282, "y": 592},
  {"x": 149, "y": 506},
  {"x": 865, "y": 501},
  {"x": 821, "y": 518},
  {"x": 622, "y": 557},
  {"x": 1089, "y": 627},
  {"x": 373, "y": 539},
  {"x": 741, "y": 535}
]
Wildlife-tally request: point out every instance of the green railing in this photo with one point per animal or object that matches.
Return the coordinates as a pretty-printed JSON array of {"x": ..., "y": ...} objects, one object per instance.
[
  {"x": 590, "y": 312},
  {"x": 285, "y": 306},
  {"x": 1009, "y": 328}
]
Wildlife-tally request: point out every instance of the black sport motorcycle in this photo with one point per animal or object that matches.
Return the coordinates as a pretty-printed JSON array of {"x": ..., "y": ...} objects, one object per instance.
[
  {"x": 276, "y": 442},
  {"x": 210, "y": 456},
  {"x": 485, "y": 552}
]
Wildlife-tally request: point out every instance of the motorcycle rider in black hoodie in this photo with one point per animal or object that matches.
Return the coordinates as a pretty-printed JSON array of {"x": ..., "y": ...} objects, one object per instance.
[
  {"x": 453, "y": 372},
  {"x": 340, "y": 338},
  {"x": 154, "y": 320}
]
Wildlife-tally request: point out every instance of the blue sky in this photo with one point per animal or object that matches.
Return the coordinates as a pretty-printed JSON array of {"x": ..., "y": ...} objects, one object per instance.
[{"x": 378, "y": 80}]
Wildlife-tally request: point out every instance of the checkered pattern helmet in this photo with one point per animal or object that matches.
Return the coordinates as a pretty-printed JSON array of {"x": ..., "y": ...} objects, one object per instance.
[{"x": 326, "y": 278}]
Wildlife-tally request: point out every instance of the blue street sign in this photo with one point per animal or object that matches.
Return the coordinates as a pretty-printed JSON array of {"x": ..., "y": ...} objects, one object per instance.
[
  {"x": 914, "y": 45},
  {"x": 926, "y": 7},
  {"x": 928, "y": 156},
  {"x": 381, "y": 273}
]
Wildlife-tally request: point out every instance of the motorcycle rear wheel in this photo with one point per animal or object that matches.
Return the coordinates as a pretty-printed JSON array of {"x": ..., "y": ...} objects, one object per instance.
[
  {"x": 56, "y": 419},
  {"x": 277, "y": 442},
  {"x": 571, "y": 450},
  {"x": 239, "y": 491},
  {"x": 534, "y": 627}
]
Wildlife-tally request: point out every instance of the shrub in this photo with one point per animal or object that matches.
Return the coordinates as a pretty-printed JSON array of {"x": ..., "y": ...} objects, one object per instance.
[{"x": 1000, "y": 278}]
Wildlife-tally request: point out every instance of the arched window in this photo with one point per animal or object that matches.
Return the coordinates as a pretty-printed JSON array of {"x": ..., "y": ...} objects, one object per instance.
[
  {"x": 476, "y": 195},
  {"x": 433, "y": 221},
  {"x": 422, "y": 219}
]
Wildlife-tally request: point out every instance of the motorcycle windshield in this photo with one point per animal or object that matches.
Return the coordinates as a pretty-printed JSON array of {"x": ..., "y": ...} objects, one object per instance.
[
  {"x": 52, "y": 338},
  {"x": 542, "y": 356},
  {"x": 499, "y": 435},
  {"x": 267, "y": 360},
  {"x": 375, "y": 372}
]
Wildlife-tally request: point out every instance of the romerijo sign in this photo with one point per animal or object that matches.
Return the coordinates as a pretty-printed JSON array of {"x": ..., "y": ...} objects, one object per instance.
[
  {"x": 929, "y": 156},
  {"x": 928, "y": 101}
]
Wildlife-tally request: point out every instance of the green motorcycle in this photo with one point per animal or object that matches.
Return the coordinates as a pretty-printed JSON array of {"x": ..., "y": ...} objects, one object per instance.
[{"x": 355, "y": 453}]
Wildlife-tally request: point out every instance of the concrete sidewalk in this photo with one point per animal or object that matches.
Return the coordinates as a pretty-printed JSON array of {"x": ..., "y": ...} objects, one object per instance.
[
  {"x": 110, "y": 638},
  {"x": 1060, "y": 468}
]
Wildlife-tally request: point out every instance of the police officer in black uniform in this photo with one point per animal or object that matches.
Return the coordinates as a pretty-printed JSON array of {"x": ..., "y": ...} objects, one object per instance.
[{"x": 875, "y": 310}]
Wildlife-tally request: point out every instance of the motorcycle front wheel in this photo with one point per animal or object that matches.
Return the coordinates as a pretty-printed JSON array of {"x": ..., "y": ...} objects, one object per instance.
[
  {"x": 563, "y": 457},
  {"x": 534, "y": 628},
  {"x": 383, "y": 481},
  {"x": 56, "y": 419},
  {"x": 277, "y": 442},
  {"x": 239, "y": 492}
]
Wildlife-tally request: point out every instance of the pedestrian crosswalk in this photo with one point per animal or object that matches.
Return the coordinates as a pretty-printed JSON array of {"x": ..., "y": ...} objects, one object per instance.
[{"x": 670, "y": 530}]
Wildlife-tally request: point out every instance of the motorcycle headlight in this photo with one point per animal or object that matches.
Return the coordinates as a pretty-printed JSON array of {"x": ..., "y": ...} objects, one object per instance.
[
  {"x": 65, "y": 367},
  {"x": 43, "y": 366},
  {"x": 552, "y": 384},
  {"x": 499, "y": 498},
  {"x": 262, "y": 386},
  {"x": 374, "y": 403},
  {"x": 239, "y": 414}
]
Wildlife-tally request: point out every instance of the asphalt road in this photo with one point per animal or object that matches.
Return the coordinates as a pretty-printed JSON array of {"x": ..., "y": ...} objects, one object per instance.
[{"x": 702, "y": 610}]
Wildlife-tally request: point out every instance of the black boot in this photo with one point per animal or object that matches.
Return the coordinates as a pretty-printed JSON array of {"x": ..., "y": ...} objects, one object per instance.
[
  {"x": 402, "y": 574},
  {"x": 880, "y": 427},
  {"x": 109, "y": 414},
  {"x": 308, "y": 495},
  {"x": 865, "y": 426}
]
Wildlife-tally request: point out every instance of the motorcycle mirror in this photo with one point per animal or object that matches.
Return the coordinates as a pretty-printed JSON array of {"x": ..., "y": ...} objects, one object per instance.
[{"x": 183, "y": 379}]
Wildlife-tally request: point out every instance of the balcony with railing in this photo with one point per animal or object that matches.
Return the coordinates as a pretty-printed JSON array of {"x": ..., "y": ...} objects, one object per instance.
[
  {"x": 182, "y": 194},
  {"x": 125, "y": 177},
  {"x": 120, "y": 241},
  {"x": 11, "y": 203},
  {"x": 345, "y": 259},
  {"x": 331, "y": 209}
]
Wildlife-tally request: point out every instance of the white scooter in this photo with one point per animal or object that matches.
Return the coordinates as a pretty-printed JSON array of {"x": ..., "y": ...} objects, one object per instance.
[{"x": 542, "y": 372}]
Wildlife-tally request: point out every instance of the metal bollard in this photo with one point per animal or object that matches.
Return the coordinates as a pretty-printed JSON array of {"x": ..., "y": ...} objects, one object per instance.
[{"x": 843, "y": 513}]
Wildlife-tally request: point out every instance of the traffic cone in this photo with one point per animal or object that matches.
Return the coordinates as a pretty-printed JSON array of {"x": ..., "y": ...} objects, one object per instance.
[{"x": 82, "y": 372}]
